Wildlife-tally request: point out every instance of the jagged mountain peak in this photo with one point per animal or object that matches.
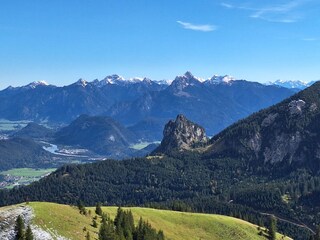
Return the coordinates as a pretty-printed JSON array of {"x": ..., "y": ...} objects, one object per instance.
[
  {"x": 113, "y": 78},
  {"x": 181, "y": 134},
  {"x": 81, "y": 82},
  {"x": 35, "y": 84},
  {"x": 181, "y": 82},
  {"x": 188, "y": 74},
  {"x": 110, "y": 79}
]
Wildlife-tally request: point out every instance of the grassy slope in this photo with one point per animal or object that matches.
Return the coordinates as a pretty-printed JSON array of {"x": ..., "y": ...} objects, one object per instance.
[
  {"x": 66, "y": 220},
  {"x": 176, "y": 225},
  {"x": 191, "y": 226}
]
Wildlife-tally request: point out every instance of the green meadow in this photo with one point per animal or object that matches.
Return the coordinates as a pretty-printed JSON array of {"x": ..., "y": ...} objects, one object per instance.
[{"x": 66, "y": 221}]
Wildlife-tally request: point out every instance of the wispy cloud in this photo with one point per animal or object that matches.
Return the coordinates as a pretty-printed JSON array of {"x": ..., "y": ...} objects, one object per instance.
[
  {"x": 227, "y": 5},
  {"x": 310, "y": 39},
  {"x": 196, "y": 27},
  {"x": 287, "y": 12}
]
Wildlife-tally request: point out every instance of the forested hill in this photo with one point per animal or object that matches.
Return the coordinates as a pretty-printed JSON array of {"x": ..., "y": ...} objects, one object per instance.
[
  {"x": 286, "y": 135},
  {"x": 100, "y": 134},
  {"x": 20, "y": 152},
  {"x": 203, "y": 185}
]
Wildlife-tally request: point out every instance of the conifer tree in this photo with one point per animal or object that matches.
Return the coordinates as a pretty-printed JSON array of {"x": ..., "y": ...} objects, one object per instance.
[
  {"x": 106, "y": 231},
  {"x": 19, "y": 228},
  {"x": 94, "y": 223},
  {"x": 98, "y": 209},
  {"x": 272, "y": 228},
  {"x": 29, "y": 234}
]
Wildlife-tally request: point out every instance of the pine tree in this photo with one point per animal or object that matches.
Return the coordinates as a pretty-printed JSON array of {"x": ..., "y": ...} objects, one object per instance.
[
  {"x": 272, "y": 228},
  {"x": 106, "y": 231},
  {"x": 19, "y": 228},
  {"x": 98, "y": 209},
  {"x": 82, "y": 208},
  {"x": 29, "y": 234},
  {"x": 94, "y": 223}
]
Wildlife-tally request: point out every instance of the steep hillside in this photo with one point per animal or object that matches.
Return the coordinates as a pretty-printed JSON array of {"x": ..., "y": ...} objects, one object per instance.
[
  {"x": 286, "y": 135},
  {"x": 66, "y": 221}
]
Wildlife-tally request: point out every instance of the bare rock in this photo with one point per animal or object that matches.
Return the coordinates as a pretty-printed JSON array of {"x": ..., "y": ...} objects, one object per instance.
[
  {"x": 296, "y": 106},
  {"x": 313, "y": 107},
  {"x": 255, "y": 143},
  {"x": 284, "y": 146},
  {"x": 181, "y": 134},
  {"x": 8, "y": 216}
]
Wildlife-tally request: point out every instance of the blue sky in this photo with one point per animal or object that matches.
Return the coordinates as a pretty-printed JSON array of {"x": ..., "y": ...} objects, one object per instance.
[{"x": 60, "y": 41}]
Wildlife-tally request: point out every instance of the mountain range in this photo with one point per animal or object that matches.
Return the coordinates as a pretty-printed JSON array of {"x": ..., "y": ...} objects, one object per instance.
[
  {"x": 143, "y": 105},
  {"x": 291, "y": 84}
]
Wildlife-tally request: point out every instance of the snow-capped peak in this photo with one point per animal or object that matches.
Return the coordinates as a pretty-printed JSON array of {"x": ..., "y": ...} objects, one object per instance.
[
  {"x": 136, "y": 79},
  {"x": 220, "y": 79},
  {"x": 112, "y": 79},
  {"x": 164, "y": 82},
  {"x": 291, "y": 83},
  {"x": 82, "y": 82},
  {"x": 181, "y": 82},
  {"x": 36, "y": 84}
]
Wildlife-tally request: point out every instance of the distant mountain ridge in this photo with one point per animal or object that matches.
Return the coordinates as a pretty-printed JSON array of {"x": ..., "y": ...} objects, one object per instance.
[
  {"x": 119, "y": 80},
  {"x": 222, "y": 99},
  {"x": 291, "y": 84}
]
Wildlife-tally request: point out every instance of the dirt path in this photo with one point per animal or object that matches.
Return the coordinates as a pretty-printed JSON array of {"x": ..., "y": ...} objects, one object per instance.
[{"x": 288, "y": 221}]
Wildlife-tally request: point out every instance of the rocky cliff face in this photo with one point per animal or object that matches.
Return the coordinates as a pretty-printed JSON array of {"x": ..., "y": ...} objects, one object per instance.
[{"x": 181, "y": 134}]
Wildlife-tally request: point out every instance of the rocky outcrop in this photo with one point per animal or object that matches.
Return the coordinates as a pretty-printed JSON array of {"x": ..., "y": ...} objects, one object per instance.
[
  {"x": 296, "y": 106},
  {"x": 181, "y": 134},
  {"x": 283, "y": 146}
]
